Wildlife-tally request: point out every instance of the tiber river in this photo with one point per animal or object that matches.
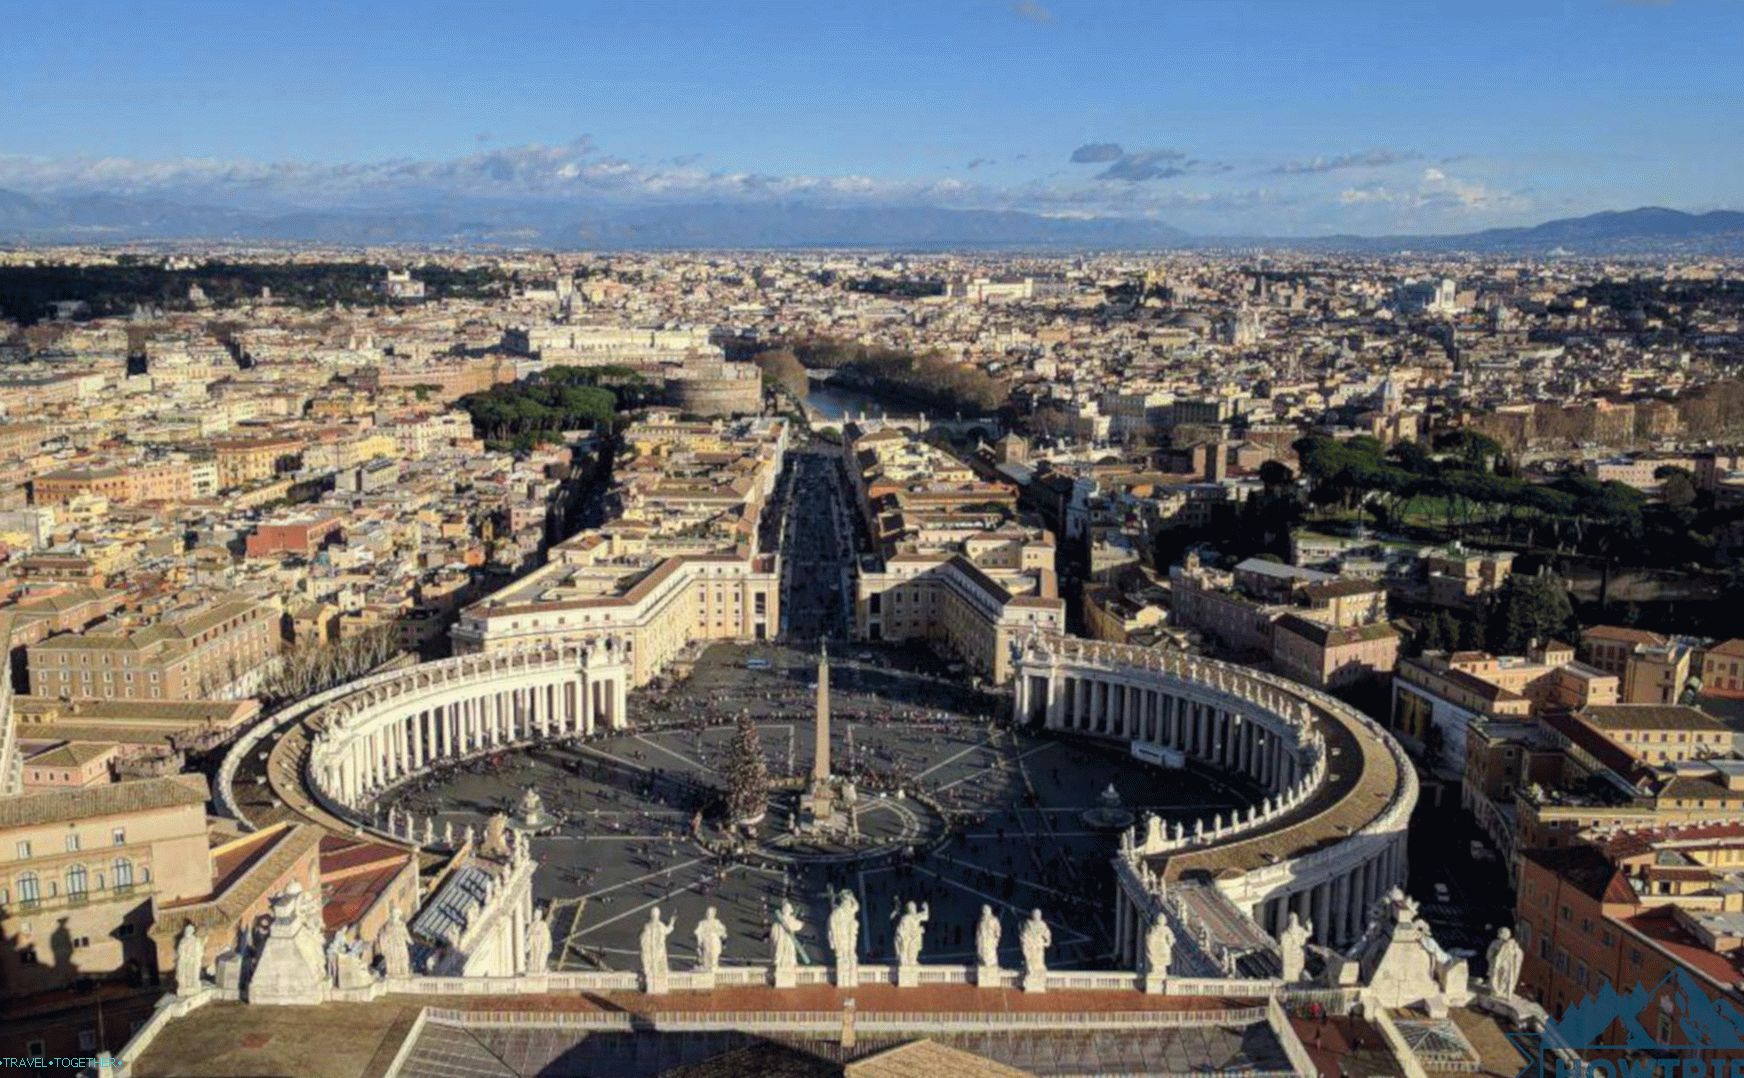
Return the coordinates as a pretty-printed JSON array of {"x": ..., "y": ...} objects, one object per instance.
[{"x": 831, "y": 401}]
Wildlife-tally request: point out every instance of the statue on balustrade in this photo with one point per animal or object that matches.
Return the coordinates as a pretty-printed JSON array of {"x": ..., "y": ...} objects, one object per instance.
[
  {"x": 845, "y": 937},
  {"x": 987, "y": 938},
  {"x": 1159, "y": 945},
  {"x": 190, "y": 961},
  {"x": 538, "y": 944},
  {"x": 711, "y": 936},
  {"x": 1035, "y": 938},
  {"x": 1504, "y": 958},
  {"x": 1293, "y": 946},
  {"x": 496, "y": 838},
  {"x": 654, "y": 933},
  {"x": 784, "y": 938},
  {"x": 910, "y": 928},
  {"x": 394, "y": 943}
]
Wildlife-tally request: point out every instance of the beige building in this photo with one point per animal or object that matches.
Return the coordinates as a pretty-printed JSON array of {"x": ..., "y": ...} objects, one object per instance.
[
  {"x": 218, "y": 648},
  {"x": 656, "y": 605},
  {"x": 1332, "y": 656},
  {"x": 80, "y": 871}
]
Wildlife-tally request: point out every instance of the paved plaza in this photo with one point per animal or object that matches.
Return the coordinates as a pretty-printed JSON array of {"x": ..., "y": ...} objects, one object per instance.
[{"x": 969, "y": 811}]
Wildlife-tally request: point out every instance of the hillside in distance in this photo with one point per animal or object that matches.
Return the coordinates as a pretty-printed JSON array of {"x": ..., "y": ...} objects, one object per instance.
[{"x": 100, "y": 218}]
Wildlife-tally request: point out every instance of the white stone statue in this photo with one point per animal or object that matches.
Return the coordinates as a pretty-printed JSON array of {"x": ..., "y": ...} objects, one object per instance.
[
  {"x": 496, "y": 842},
  {"x": 1293, "y": 946},
  {"x": 1504, "y": 958},
  {"x": 654, "y": 933},
  {"x": 784, "y": 938},
  {"x": 910, "y": 928},
  {"x": 845, "y": 937},
  {"x": 987, "y": 938},
  {"x": 190, "y": 961},
  {"x": 711, "y": 936},
  {"x": 394, "y": 944},
  {"x": 538, "y": 943},
  {"x": 335, "y": 948},
  {"x": 1035, "y": 938},
  {"x": 1159, "y": 945}
]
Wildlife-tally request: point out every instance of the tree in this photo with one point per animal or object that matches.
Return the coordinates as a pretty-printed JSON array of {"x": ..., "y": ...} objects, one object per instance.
[
  {"x": 1275, "y": 474},
  {"x": 782, "y": 369},
  {"x": 1676, "y": 485},
  {"x": 1529, "y": 609},
  {"x": 747, "y": 776}
]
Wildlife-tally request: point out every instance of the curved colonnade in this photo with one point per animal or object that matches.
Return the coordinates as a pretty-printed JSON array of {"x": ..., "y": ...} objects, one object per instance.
[
  {"x": 396, "y": 725},
  {"x": 1327, "y": 841}
]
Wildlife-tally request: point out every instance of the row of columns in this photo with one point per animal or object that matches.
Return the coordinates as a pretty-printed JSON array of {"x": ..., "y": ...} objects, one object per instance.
[
  {"x": 575, "y": 705},
  {"x": 1338, "y": 907},
  {"x": 1110, "y": 706},
  {"x": 1224, "y": 738}
]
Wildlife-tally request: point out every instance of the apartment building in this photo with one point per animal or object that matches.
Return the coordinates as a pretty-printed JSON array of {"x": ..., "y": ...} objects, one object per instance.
[
  {"x": 1629, "y": 908},
  {"x": 212, "y": 648},
  {"x": 81, "y": 869}
]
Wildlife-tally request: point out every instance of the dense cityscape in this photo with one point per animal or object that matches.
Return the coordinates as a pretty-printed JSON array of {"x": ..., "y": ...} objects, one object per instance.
[{"x": 1352, "y": 633}]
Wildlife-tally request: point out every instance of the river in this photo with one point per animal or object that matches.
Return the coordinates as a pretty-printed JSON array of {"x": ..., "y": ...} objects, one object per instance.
[{"x": 833, "y": 401}]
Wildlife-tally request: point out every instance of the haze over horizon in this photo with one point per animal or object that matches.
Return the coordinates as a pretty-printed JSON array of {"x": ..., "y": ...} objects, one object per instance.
[{"x": 1240, "y": 118}]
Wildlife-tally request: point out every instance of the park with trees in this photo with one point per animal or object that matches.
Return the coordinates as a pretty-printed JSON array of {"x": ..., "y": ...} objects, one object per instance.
[{"x": 538, "y": 408}]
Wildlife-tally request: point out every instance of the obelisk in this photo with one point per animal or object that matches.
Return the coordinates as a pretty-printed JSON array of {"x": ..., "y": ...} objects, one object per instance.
[{"x": 820, "y": 767}]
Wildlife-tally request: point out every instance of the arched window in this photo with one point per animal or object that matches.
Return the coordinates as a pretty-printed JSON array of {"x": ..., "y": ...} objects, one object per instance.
[
  {"x": 76, "y": 881},
  {"x": 123, "y": 872},
  {"x": 27, "y": 888}
]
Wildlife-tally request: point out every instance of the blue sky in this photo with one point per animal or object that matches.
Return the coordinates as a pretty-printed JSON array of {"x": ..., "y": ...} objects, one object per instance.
[{"x": 1222, "y": 116}]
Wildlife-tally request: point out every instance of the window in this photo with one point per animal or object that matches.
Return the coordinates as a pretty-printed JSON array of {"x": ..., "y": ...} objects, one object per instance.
[
  {"x": 72, "y": 842},
  {"x": 118, "y": 837},
  {"x": 28, "y": 888},
  {"x": 23, "y": 850},
  {"x": 76, "y": 881},
  {"x": 123, "y": 873}
]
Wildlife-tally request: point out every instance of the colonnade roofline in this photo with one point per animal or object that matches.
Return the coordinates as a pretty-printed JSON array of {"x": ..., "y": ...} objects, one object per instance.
[
  {"x": 1327, "y": 840},
  {"x": 394, "y": 725}
]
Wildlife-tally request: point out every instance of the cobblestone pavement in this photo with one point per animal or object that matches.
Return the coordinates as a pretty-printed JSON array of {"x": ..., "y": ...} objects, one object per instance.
[{"x": 1013, "y": 800}]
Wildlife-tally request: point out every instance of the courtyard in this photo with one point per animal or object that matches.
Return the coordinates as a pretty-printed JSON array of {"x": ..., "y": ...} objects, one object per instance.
[{"x": 958, "y": 810}]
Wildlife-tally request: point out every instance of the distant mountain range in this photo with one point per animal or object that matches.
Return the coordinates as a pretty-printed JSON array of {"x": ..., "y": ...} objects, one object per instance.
[{"x": 483, "y": 223}]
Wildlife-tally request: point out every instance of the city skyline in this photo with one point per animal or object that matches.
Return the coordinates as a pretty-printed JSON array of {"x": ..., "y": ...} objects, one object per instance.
[{"x": 1229, "y": 119}]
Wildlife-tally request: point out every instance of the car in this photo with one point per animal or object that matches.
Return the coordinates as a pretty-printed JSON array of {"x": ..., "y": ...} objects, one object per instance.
[
  {"x": 757, "y": 664},
  {"x": 864, "y": 656},
  {"x": 1442, "y": 894}
]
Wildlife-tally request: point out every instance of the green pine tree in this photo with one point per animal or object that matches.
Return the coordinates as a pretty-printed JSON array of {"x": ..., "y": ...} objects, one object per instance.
[{"x": 747, "y": 775}]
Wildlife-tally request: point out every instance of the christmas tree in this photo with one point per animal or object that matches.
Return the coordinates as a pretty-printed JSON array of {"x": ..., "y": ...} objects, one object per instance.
[{"x": 747, "y": 776}]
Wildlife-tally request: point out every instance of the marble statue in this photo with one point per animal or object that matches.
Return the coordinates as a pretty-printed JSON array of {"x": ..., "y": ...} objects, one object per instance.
[
  {"x": 987, "y": 938},
  {"x": 784, "y": 938},
  {"x": 496, "y": 843},
  {"x": 845, "y": 937},
  {"x": 910, "y": 928},
  {"x": 335, "y": 948},
  {"x": 190, "y": 961},
  {"x": 711, "y": 936},
  {"x": 538, "y": 943},
  {"x": 1293, "y": 946},
  {"x": 1504, "y": 958},
  {"x": 1035, "y": 938},
  {"x": 1159, "y": 945},
  {"x": 394, "y": 942},
  {"x": 653, "y": 945}
]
